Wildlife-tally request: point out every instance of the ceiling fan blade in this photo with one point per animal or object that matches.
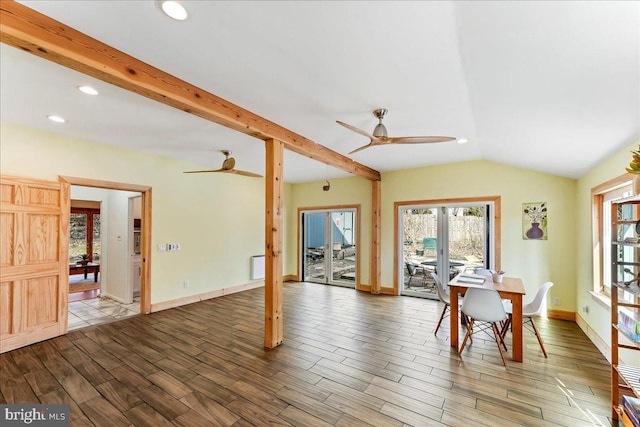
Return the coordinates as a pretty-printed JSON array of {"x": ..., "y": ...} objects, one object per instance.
[
  {"x": 356, "y": 130},
  {"x": 419, "y": 139},
  {"x": 243, "y": 173},
  {"x": 369, "y": 145},
  {"x": 212, "y": 170}
]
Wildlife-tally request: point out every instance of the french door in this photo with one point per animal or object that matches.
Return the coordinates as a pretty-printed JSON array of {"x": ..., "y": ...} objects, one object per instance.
[
  {"x": 445, "y": 239},
  {"x": 329, "y": 250}
]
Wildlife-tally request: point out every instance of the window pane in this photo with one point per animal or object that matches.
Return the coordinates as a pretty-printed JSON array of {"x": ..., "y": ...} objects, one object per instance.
[
  {"x": 622, "y": 214},
  {"x": 77, "y": 236},
  {"x": 467, "y": 237},
  {"x": 96, "y": 238}
]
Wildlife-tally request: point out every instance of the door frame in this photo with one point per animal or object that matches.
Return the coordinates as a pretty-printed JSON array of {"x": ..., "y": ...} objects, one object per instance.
[
  {"x": 333, "y": 208},
  {"x": 145, "y": 246},
  {"x": 440, "y": 202}
]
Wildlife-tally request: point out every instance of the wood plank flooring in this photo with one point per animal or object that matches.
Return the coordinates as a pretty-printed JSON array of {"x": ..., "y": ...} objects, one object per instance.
[{"x": 348, "y": 359}]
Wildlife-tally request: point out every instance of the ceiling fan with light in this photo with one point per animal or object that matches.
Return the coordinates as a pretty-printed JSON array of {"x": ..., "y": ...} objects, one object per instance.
[
  {"x": 379, "y": 136},
  {"x": 228, "y": 167}
]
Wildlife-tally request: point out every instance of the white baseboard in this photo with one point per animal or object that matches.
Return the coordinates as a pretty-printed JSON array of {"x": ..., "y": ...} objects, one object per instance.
[
  {"x": 596, "y": 339},
  {"x": 205, "y": 296}
]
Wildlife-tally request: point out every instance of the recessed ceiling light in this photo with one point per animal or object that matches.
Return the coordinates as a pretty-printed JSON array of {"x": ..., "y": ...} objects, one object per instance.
[
  {"x": 56, "y": 119},
  {"x": 174, "y": 9},
  {"x": 462, "y": 140},
  {"x": 88, "y": 90}
]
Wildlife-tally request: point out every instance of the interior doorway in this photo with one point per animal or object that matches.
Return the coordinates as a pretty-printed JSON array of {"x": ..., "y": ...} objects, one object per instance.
[
  {"x": 104, "y": 245},
  {"x": 120, "y": 227},
  {"x": 329, "y": 242}
]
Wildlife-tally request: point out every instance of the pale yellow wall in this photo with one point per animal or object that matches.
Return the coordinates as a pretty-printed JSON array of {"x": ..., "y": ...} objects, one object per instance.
[
  {"x": 534, "y": 261},
  {"x": 289, "y": 241},
  {"x": 217, "y": 218},
  {"x": 345, "y": 191},
  {"x": 598, "y": 316}
]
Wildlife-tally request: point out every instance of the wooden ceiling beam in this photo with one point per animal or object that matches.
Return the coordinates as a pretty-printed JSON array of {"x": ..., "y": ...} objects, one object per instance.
[{"x": 43, "y": 36}]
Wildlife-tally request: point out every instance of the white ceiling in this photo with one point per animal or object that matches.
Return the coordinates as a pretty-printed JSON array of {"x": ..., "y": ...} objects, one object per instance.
[{"x": 548, "y": 86}]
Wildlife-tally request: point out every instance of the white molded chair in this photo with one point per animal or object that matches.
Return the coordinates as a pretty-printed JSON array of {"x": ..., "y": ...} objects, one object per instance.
[
  {"x": 529, "y": 311},
  {"x": 483, "y": 305},
  {"x": 444, "y": 297}
]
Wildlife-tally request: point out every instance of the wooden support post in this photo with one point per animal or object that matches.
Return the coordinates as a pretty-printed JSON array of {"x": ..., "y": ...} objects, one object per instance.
[
  {"x": 376, "y": 201},
  {"x": 273, "y": 322}
]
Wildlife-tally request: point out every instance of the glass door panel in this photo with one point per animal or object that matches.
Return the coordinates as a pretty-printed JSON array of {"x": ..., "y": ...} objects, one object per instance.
[
  {"x": 467, "y": 243},
  {"x": 420, "y": 251},
  {"x": 329, "y": 247},
  {"x": 343, "y": 256},
  {"x": 314, "y": 247},
  {"x": 96, "y": 238},
  {"x": 427, "y": 232}
]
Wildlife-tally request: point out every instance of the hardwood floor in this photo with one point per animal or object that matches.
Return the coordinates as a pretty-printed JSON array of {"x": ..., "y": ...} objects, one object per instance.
[{"x": 348, "y": 359}]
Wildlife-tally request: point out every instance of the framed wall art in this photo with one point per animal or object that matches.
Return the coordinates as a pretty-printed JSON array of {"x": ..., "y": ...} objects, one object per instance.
[{"x": 534, "y": 221}]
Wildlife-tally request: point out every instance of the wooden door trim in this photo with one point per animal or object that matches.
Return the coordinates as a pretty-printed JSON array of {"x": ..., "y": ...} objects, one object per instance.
[{"x": 145, "y": 244}]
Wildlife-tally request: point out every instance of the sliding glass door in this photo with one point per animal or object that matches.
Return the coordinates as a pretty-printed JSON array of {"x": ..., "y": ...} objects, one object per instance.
[
  {"x": 329, "y": 246},
  {"x": 443, "y": 239}
]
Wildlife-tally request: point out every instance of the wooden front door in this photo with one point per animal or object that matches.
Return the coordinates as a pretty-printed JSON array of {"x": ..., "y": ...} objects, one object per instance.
[{"x": 34, "y": 246}]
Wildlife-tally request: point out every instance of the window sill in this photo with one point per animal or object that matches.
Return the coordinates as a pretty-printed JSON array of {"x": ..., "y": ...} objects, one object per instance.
[{"x": 601, "y": 298}]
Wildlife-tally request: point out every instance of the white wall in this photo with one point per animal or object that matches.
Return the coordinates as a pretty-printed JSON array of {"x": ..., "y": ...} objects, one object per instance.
[{"x": 118, "y": 265}]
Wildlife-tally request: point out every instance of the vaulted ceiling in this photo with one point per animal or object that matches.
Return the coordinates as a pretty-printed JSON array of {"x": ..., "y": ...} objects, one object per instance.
[{"x": 548, "y": 86}]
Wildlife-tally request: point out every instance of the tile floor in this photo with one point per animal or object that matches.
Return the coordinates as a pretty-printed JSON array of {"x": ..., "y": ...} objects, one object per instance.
[{"x": 99, "y": 310}]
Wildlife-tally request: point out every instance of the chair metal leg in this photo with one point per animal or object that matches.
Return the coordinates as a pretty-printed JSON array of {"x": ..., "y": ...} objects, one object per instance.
[
  {"x": 464, "y": 341},
  {"x": 496, "y": 334},
  {"x": 444, "y": 311},
  {"x": 501, "y": 337},
  {"x": 505, "y": 326},
  {"x": 409, "y": 281},
  {"x": 537, "y": 333}
]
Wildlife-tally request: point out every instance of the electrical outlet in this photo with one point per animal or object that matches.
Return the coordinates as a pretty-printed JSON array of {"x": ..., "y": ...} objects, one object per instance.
[
  {"x": 556, "y": 301},
  {"x": 162, "y": 247},
  {"x": 585, "y": 309},
  {"x": 185, "y": 284}
]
